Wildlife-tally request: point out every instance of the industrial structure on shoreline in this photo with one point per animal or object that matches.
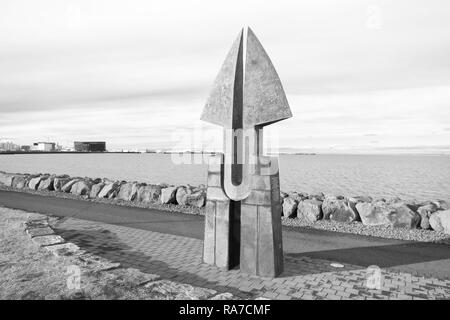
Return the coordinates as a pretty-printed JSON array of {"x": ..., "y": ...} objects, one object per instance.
[{"x": 7, "y": 146}]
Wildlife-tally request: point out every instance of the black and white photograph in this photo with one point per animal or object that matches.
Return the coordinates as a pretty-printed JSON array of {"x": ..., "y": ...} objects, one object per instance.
[{"x": 225, "y": 156}]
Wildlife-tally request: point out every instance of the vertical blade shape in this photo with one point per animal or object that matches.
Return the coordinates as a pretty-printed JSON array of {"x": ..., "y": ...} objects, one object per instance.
[
  {"x": 219, "y": 106},
  {"x": 264, "y": 98}
]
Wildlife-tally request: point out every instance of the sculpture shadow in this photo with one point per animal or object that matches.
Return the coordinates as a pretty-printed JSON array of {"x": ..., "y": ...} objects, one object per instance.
[{"x": 107, "y": 244}]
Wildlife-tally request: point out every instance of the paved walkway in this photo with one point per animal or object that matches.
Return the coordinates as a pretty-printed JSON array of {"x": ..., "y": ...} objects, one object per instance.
[
  {"x": 179, "y": 258},
  {"x": 420, "y": 259}
]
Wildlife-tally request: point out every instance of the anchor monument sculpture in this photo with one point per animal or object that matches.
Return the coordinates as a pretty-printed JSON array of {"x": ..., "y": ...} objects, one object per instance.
[{"x": 243, "y": 210}]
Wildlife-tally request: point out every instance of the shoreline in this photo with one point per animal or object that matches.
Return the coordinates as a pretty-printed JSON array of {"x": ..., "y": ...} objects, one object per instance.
[{"x": 191, "y": 200}]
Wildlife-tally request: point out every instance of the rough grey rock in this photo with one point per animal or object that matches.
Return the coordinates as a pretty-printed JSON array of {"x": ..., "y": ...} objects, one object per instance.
[
  {"x": 64, "y": 249},
  {"x": 33, "y": 184},
  {"x": 359, "y": 199},
  {"x": 298, "y": 196},
  {"x": 403, "y": 216},
  {"x": 95, "y": 190},
  {"x": 36, "y": 232},
  {"x": 95, "y": 263},
  {"x": 319, "y": 197},
  {"x": 442, "y": 205},
  {"x": 148, "y": 193},
  {"x": 196, "y": 199},
  {"x": 128, "y": 191},
  {"x": 47, "y": 184},
  {"x": 393, "y": 200},
  {"x": 374, "y": 214},
  {"x": 200, "y": 187},
  {"x": 107, "y": 181},
  {"x": 81, "y": 188},
  {"x": 164, "y": 185},
  {"x": 339, "y": 210},
  {"x": 19, "y": 181},
  {"x": 332, "y": 197},
  {"x": 96, "y": 180},
  {"x": 68, "y": 186},
  {"x": 425, "y": 212},
  {"x": 310, "y": 209},
  {"x": 290, "y": 207},
  {"x": 48, "y": 240},
  {"x": 6, "y": 179},
  {"x": 59, "y": 182},
  {"x": 109, "y": 191},
  {"x": 435, "y": 222},
  {"x": 36, "y": 223},
  {"x": 168, "y": 195},
  {"x": 440, "y": 221},
  {"x": 182, "y": 193}
]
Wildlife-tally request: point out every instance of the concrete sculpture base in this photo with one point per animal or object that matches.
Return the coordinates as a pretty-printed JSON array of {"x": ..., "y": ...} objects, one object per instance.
[{"x": 245, "y": 233}]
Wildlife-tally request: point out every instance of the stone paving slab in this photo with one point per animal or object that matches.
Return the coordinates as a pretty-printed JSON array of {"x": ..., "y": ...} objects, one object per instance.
[
  {"x": 48, "y": 240},
  {"x": 64, "y": 249},
  {"x": 36, "y": 232},
  {"x": 180, "y": 259}
]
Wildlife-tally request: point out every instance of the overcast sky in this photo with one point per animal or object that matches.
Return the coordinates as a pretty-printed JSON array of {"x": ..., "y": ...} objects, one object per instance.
[{"x": 360, "y": 76}]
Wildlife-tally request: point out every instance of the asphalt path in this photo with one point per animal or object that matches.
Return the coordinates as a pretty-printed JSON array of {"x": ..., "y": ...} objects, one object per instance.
[{"x": 424, "y": 259}]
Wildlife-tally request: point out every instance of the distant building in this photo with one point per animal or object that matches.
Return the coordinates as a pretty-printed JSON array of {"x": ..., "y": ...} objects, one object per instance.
[
  {"x": 89, "y": 146},
  {"x": 44, "y": 146},
  {"x": 8, "y": 146},
  {"x": 25, "y": 148}
]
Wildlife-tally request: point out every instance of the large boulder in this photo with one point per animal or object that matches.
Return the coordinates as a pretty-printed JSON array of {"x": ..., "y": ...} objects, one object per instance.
[
  {"x": 47, "y": 184},
  {"x": 298, "y": 196},
  {"x": 374, "y": 214},
  {"x": 59, "y": 182},
  {"x": 68, "y": 186},
  {"x": 331, "y": 197},
  {"x": 81, "y": 188},
  {"x": 425, "y": 212},
  {"x": 33, "y": 184},
  {"x": 19, "y": 181},
  {"x": 440, "y": 221},
  {"x": 403, "y": 216},
  {"x": 339, "y": 210},
  {"x": 168, "y": 195},
  {"x": 96, "y": 181},
  {"x": 290, "y": 207},
  {"x": 182, "y": 193},
  {"x": 6, "y": 179},
  {"x": 393, "y": 200},
  {"x": 359, "y": 199},
  {"x": 109, "y": 191},
  {"x": 148, "y": 193},
  {"x": 319, "y": 197},
  {"x": 310, "y": 209},
  {"x": 196, "y": 199},
  {"x": 95, "y": 190},
  {"x": 128, "y": 191},
  {"x": 442, "y": 205}
]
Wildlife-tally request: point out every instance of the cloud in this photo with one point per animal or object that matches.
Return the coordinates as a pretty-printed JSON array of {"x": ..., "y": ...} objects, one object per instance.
[{"x": 134, "y": 73}]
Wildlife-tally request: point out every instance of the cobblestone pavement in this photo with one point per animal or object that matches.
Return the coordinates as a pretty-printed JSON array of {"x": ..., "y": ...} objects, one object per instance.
[{"x": 180, "y": 259}]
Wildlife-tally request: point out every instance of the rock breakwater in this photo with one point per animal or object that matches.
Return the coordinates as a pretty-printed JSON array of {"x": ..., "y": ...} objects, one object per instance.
[{"x": 393, "y": 213}]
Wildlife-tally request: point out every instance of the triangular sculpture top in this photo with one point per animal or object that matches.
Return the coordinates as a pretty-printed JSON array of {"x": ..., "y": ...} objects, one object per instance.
[{"x": 247, "y": 84}]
